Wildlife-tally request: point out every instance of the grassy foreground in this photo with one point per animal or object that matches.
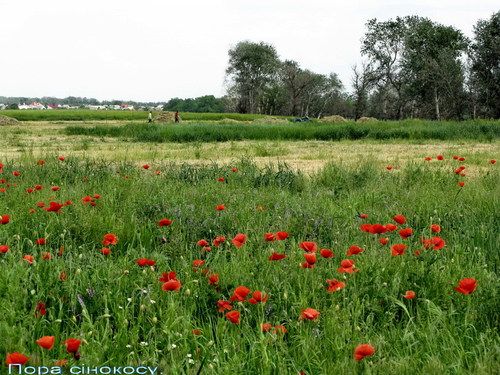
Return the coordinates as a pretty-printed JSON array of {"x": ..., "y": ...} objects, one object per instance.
[
  {"x": 122, "y": 316},
  {"x": 408, "y": 130}
]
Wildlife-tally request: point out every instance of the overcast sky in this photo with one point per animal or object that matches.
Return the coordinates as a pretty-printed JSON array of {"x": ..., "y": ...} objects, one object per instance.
[{"x": 159, "y": 49}]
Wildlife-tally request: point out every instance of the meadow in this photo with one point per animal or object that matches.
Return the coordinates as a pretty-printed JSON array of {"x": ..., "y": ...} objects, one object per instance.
[{"x": 383, "y": 258}]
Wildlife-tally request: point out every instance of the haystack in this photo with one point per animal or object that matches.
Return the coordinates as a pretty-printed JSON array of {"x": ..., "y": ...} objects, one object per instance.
[
  {"x": 333, "y": 119},
  {"x": 270, "y": 120},
  {"x": 367, "y": 119},
  {"x": 165, "y": 117},
  {"x": 4, "y": 120}
]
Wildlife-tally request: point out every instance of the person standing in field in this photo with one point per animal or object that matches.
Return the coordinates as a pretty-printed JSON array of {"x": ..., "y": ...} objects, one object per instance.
[
  {"x": 177, "y": 116},
  {"x": 150, "y": 117}
]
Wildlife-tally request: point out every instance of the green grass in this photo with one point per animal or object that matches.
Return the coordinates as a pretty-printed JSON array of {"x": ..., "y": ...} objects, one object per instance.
[
  {"x": 125, "y": 318},
  {"x": 408, "y": 130},
  {"x": 90, "y": 115}
]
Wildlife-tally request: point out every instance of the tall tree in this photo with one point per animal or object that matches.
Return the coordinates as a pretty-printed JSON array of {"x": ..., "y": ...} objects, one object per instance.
[
  {"x": 362, "y": 82},
  {"x": 252, "y": 67}
]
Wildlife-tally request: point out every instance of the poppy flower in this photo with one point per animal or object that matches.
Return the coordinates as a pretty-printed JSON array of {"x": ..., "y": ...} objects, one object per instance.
[
  {"x": 279, "y": 329},
  {"x": 97, "y": 196},
  {"x": 55, "y": 188},
  {"x": 461, "y": 159},
  {"x": 363, "y": 216},
  {"x": 16, "y": 359},
  {"x": 4, "y": 219},
  {"x": 377, "y": 229},
  {"x": 306, "y": 265},
  {"x": 145, "y": 262},
  {"x": 410, "y": 294},
  {"x": 277, "y": 256},
  {"x": 54, "y": 207},
  {"x": 309, "y": 246},
  {"x": 218, "y": 240},
  {"x": 455, "y": 157},
  {"x": 4, "y": 249},
  {"x": 29, "y": 258},
  {"x": 61, "y": 158},
  {"x": 400, "y": 219},
  {"x": 87, "y": 199},
  {"x": 40, "y": 310},
  {"x": 202, "y": 243},
  {"x": 146, "y": 166},
  {"x": 309, "y": 314},
  {"x": 365, "y": 228},
  {"x": 461, "y": 184},
  {"x": 269, "y": 237},
  {"x": 406, "y": 232},
  {"x": 493, "y": 161},
  {"x": 280, "y": 236},
  {"x": 257, "y": 297},
  {"x": 220, "y": 207},
  {"x": 196, "y": 332},
  {"x": 233, "y": 316},
  {"x": 38, "y": 187},
  {"x": 63, "y": 276},
  {"x": 466, "y": 286},
  {"x": 105, "y": 251},
  {"x": 164, "y": 222},
  {"x": 459, "y": 169},
  {"x": 390, "y": 227},
  {"x": 109, "y": 239},
  {"x": 266, "y": 327},
  {"x": 240, "y": 293},
  {"x": 46, "y": 342},
  {"x": 383, "y": 241},
  {"x": 171, "y": 285},
  {"x": 310, "y": 258},
  {"x": 30, "y": 190},
  {"x": 435, "y": 228},
  {"x": 198, "y": 263},
  {"x": 46, "y": 255},
  {"x": 427, "y": 158},
  {"x": 326, "y": 253},
  {"x": 347, "y": 266},
  {"x": 440, "y": 157},
  {"x": 40, "y": 204},
  {"x": 213, "y": 279},
  {"x": 72, "y": 345},
  {"x": 16, "y": 173},
  {"x": 389, "y": 167},
  {"x": 363, "y": 350},
  {"x": 436, "y": 243},
  {"x": 239, "y": 240},
  {"x": 223, "y": 305},
  {"x": 334, "y": 285},
  {"x": 398, "y": 249},
  {"x": 354, "y": 250},
  {"x": 167, "y": 276}
]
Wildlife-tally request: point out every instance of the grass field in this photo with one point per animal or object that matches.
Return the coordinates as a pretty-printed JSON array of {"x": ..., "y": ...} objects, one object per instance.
[{"x": 121, "y": 314}]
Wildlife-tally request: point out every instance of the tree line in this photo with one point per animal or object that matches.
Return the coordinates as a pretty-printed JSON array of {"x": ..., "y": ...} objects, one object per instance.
[{"x": 412, "y": 67}]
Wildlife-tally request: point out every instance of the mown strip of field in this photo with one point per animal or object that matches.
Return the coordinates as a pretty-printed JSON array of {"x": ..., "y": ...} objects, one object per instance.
[
  {"x": 416, "y": 130},
  {"x": 90, "y": 115}
]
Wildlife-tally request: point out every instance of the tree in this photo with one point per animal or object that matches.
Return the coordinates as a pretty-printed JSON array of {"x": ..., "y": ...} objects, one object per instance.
[
  {"x": 252, "y": 68},
  {"x": 362, "y": 82},
  {"x": 485, "y": 66}
]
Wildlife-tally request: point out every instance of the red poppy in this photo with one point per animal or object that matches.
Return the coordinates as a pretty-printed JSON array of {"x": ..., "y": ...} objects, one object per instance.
[
  {"x": 436, "y": 243},
  {"x": 223, "y": 305},
  {"x": 269, "y": 237},
  {"x": 55, "y": 188},
  {"x": 171, "y": 285},
  {"x": 406, "y": 232},
  {"x": 72, "y": 345},
  {"x": 280, "y": 236},
  {"x": 277, "y": 256},
  {"x": 63, "y": 276},
  {"x": 240, "y": 293},
  {"x": 363, "y": 216},
  {"x": 46, "y": 342},
  {"x": 326, "y": 253},
  {"x": 427, "y": 158},
  {"x": 310, "y": 258},
  {"x": 410, "y": 294},
  {"x": 202, "y": 243},
  {"x": 363, "y": 350},
  {"x": 459, "y": 169},
  {"x": 198, "y": 262},
  {"x": 383, "y": 241},
  {"x": 398, "y": 249},
  {"x": 105, "y": 251},
  {"x": 366, "y": 227},
  {"x": 334, "y": 285},
  {"x": 167, "y": 276},
  {"x": 309, "y": 314},
  {"x": 306, "y": 265},
  {"x": 164, "y": 222},
  {"x": 461, "y": 184},
  {"x": 257, "y": 297},
  {"x": 455, "y": 157},
  {"x": 389, "y": 167},
  {"x": 4, "y": 219},
  {"x": 221, "y": 179},
  {"x": 16, "y": 359},
  {"x": 377, "y": 229},
  {"x": 279, "y": 329},
  {"x": 196, "y": 332},
  {"x": 309, "y": 246},
  {"x": 347, "y": 266},
  {"x": 466, "y": 286},
  {"x": 233, "y": 316},
  {"x": 391, "y": 227},
  {"x": 40, "y": 204},
  {"x": 218, "y": 240},
  {"x": 213, "y": 279},
  {"x": 4, "y": 249},
  {"x": 146, "y": 166},
  {"x": 109, "y": 239},
  {"x": 354, "y": 250},
  {"x": 400, "y": 219},
  {"x": 461, "y": 159},
  {"x": 29, "y": 258},
  {"x": 30, "y": 190},
  {"x": 16, "y": 173},
  {"x": 46, "y": 255},
  {"x": 440, "y": 157},
  {"x": 40, "y": 310},
  {"x": 266, "y": 327},
  {"x": 54, "y": 207},
  {"x": 220, "y": 207},
  {"x": 234, "y": 169},
  {"x": 38, "y": 187},
  {"x": 493, "y": 161},
  {"x": 87, "y": 199},
  {"x": 435, "y": 228},
  {"x": 61, "y": 158},
  {"x": 239, "y": 240},
  {"x": 145, "y": 262}
]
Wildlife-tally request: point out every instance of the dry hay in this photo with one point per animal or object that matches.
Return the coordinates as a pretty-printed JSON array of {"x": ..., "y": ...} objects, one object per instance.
[
  {"x": 270, "y": 120},
  {"x": 333, "y": 119},
  {"x": 367, "y": 119},
  {"x": 226, "y": 120},
  {"x": 165, "y": 117},
  {"x": 4, "y": 120}
]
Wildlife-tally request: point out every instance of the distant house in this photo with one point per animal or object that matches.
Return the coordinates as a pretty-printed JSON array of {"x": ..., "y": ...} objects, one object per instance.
[
  {"x": 34, "y": 105},
  {"x": 3, "y": 106}
]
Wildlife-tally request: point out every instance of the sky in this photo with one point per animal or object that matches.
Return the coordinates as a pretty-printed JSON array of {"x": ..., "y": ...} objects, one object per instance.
[{"x": 154, "y": 50}]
